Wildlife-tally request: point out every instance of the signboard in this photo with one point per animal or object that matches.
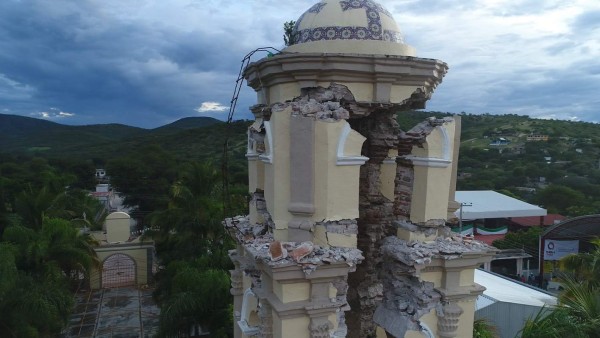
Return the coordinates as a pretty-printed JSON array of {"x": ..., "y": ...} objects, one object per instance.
[
  {"x": 548, "y": 267},
  {"x": 555, "y": 250}
]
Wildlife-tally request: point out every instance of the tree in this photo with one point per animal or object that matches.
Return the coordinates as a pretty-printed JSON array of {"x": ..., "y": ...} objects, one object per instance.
[
  {"x": 577, "y": 314},
  {"x": 290, "y": 36},
  {"x": 38, "y": 267},
  {"x": 558, "y": 198},
  {"x": 191, "y": 244}
]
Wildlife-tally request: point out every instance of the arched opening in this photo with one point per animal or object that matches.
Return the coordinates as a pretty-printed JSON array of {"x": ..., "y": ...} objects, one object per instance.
[{"x": 118, "y": 270}]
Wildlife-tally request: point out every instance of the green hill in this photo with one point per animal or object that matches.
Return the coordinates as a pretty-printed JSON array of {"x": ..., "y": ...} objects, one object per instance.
[
  {"x": 30, "y": 136},
  {"x": 187, "y": 123}
]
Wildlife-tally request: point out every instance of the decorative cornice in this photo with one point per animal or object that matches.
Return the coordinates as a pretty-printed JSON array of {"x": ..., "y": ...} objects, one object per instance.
[
  {"x": 342, "y": 159},
  {"x": 308, "y": 69},
  {"x": 432, "y": 162}
]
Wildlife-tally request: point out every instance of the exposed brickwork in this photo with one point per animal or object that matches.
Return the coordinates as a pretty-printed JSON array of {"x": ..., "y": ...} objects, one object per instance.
[{"x": 375, "y": 221}]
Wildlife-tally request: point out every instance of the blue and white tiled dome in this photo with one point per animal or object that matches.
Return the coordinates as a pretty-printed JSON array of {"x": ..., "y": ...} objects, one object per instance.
[{"x": 349, "y": 26}]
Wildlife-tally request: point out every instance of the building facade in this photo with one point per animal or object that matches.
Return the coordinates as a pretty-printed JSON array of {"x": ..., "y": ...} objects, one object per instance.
[{"x": 346, "y": 234}]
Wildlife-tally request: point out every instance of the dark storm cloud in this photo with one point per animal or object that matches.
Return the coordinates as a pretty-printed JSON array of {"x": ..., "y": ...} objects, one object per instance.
[{"x": 105, "y": 69}]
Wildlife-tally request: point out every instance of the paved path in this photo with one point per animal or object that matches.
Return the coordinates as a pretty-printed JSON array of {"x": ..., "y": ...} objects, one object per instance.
[{"x": 114, "y": 313}]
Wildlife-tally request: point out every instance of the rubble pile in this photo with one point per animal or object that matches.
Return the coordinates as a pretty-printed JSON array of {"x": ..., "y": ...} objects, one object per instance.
[
  {"x": 275, "y": 253},
  {"x": 420, "y": 253}
]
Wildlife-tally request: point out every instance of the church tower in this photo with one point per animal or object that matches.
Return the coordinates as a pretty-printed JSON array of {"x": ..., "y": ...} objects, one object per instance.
[{"x": 346, "y": 235}]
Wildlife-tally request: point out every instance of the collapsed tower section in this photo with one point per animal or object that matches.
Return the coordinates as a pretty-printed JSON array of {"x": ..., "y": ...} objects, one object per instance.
[{"x": 346, "y": 234}]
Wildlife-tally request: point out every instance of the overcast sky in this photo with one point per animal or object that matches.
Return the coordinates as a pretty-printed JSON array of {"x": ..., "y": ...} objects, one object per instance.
[{"x": 150, "y": 62}]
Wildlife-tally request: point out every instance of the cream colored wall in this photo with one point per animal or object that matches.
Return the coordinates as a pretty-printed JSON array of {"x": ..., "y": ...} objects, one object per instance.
[
  {"x": 253, "y": 175},
  {"x": 295, "y": 327},
  {"x": 277, "y": 174},
  {"x": 284, "y": 92},
  {"x": 290, "y": 327},
  {"x": 434, "y": 277},
  {"x": 430, "y": 193},
  {"x": 432, "y": 184},
  {"x": 336, "y": 187},
  {"x": 467, "y": 277},
  {"x": 465, "y": 323},
  {"x": 293, "y": 292},
  {"x": 117, "y": 227},
  {"x": 139, "y": 255},
  {"x": 401, "y": 93}
]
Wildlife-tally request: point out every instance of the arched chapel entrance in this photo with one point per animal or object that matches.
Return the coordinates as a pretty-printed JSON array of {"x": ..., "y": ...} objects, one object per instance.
[{"x": 118, "y": 270}]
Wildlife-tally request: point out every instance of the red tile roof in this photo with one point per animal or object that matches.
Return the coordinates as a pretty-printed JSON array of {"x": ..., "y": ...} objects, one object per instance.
[{"x": 549, "y": 219}]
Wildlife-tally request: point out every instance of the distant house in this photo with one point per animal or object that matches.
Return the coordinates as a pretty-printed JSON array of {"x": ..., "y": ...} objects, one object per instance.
[
  {"x": 537, "y": 138},
  {"x": 501, "y": 141}
]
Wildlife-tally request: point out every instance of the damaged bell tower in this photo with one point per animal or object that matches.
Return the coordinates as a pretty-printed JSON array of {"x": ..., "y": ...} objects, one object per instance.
[{"x": 346, "y": 235}]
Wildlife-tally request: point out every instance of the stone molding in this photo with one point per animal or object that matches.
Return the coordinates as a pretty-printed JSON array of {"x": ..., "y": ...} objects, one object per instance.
[
  {"x": 448, "y": 323},
  {"x": 383, "y": 71},
  {"x": 343, "y": 159}
]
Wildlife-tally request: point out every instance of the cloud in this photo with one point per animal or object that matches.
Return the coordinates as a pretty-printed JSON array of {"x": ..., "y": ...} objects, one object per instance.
[
  {"x": 53, "y": 113},
  {"x": 149, "y": 62},
  {"x": 211, "y": 107}
]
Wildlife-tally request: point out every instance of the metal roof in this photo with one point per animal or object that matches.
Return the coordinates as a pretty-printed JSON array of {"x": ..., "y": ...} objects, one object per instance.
[
  {"x": 583, "y": 227},
  {"x": 501, "y": 289},
  {"x": 491, "y": 204}
]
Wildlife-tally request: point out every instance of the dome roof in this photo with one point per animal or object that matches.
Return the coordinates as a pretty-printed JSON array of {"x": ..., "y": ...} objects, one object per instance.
[{"x": 349, "y": 26}]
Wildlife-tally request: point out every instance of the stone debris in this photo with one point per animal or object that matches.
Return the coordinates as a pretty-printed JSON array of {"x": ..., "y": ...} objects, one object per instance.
[
  {"x": 345, "y": 227},
  {"x": 302, "y": 251},
  {"x": 276, "y": 251},
  {"x": 419, "y": 253},
  {"x": 306, "y": 254}
]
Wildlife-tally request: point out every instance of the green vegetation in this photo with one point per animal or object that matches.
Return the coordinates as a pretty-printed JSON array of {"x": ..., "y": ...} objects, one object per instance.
[
  {"x": 561, "y": 174},
  {"x": 578, "y": 312},
  {"x": 168, "y": 175},
  {"x": 289, "y": 36},
  {"x": 484, "y": 329},
  {"x": 43, "y": 254}
]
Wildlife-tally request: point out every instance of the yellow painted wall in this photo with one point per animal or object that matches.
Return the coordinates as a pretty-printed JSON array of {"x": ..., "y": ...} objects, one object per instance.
[
  {"x": 293, "y": 292},
  {"x": 401, "y": 93},
  {"x": 256, "y": 175},
  {"x": 290, "y": 327},
  {"x": 434, "y": 277},
  {"x": 277, "y": 174},
  {"x": 336, "y": 187},
  {"x": 430, "y": 193},
  {"x": 467, "y": 277},
  {"x": 284, "y": 92},
  {"x": 465, "y": 324},
  {"x": 295, "y": 327},
  {"x": 118, "y": 227}
]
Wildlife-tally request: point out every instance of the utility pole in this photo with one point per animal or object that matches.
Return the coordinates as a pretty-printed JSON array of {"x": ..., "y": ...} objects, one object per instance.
[{"x": 460, "y": 225}]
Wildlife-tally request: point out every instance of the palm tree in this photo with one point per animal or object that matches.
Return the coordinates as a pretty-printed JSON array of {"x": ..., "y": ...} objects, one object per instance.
[
  {"x": 192, "y": 287},
  {"x": 578, "y": 312},
  {"x": 37, "y": 269}
]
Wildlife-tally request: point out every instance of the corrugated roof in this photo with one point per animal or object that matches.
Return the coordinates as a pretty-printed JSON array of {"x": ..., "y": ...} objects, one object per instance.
[
  {"x": 584, "y": 227},
  {"x": 505, "y": 290},
  {"x": 491, "y": 204}
]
